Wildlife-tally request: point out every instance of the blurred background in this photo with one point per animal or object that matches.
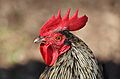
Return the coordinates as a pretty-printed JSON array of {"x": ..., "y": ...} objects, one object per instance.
[{"x": 20, "y": 21}]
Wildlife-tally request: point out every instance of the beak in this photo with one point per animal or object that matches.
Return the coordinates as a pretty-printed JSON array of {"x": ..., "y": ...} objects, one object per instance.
[{"x": 38, "y": 40}]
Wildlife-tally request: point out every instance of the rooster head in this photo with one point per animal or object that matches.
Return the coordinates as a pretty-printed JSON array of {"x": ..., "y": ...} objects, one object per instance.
[{"x": 52, "y": 37}]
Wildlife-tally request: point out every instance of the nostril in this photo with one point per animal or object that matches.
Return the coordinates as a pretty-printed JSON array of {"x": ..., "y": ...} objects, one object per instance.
[{"x": 43, "y": 42}]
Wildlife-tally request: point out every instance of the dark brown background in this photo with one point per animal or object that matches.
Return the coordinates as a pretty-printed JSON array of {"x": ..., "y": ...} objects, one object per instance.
[{"x": 20, "y": 21}]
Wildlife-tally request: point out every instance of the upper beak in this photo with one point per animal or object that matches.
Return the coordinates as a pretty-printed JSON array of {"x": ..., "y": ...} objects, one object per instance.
[{"x": 38, "y": 39}]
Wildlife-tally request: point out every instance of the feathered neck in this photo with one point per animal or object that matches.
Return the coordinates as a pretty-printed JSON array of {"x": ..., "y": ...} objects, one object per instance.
[{"x": 77, "y": 63}]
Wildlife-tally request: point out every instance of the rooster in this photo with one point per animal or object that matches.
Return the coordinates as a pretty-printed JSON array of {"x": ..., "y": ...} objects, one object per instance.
[{"x": 66, "y": 56}]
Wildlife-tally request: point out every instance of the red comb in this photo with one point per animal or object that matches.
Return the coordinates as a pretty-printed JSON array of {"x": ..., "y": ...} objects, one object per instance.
[{"x": 57, "y": 23}]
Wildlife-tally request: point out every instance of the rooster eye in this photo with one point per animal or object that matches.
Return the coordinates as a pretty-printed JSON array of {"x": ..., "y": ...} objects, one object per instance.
[{"x": 58, "y": 37}]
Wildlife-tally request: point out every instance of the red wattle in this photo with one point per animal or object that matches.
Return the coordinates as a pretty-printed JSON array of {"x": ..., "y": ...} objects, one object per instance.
[{"x": 48, "y": 53}]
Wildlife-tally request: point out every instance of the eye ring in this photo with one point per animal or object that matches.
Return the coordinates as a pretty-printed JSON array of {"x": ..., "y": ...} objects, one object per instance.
[{"x": 58, "y": 38}]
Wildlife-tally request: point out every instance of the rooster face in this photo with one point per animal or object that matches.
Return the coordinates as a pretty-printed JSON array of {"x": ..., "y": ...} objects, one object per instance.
[
  {"x": 53, "y": 40},
  {"x": 52, "y": 46}
]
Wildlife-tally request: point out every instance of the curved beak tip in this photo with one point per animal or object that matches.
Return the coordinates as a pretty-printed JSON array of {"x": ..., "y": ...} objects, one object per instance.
[{"x": 37, "y": 40}]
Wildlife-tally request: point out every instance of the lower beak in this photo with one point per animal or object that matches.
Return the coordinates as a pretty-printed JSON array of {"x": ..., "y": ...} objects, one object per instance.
[{"x": 38, "y": 39}]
